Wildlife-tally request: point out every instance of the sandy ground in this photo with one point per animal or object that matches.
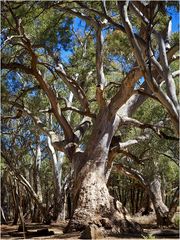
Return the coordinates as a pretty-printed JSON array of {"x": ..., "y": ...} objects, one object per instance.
[{"x": 6, "y": 231}]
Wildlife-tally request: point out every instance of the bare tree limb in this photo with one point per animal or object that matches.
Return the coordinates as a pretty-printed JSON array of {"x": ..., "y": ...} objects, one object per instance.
[
  {"x": 156, "y": 127},
  {"x": 130, "y": 172},
  {"x": 164, "y": 99},
  {"x": 176, "y": 74},
  {"x": 58, "y": 143},
  {"x": 101, "y": 81},
  {"x": 74, "y": 87}
]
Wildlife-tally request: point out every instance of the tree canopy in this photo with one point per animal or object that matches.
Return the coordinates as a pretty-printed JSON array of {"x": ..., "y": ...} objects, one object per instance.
[{"x": 94, "y": 83}]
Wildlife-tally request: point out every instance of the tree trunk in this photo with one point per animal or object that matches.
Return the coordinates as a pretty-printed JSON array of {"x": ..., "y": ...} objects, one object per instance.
[
  {"x": 174, "y": 204},
  {"x": 3, "y": 192},
  {"x": 3, "y": 218},
  {"x": 57, "y": 161},
  {"x": 37, "y": 167},
  {"x": 37, "y": 182},
  {"x": 92, "y": 203},
  {"x": 16, "y": 203},
  {"x": 160, "y": 208}
]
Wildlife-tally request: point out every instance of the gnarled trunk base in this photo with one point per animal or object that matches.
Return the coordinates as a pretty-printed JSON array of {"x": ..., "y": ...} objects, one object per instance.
[
  {"x": 96, "y": 207},
  {"x": 110, "y": 221}
]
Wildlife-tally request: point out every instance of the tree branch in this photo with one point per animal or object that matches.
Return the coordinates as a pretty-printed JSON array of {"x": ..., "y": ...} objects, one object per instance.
[
  {"x": 74, "y": 87},
  {"x": 15, "y": 66},
  {"x": 101, "y": 81},
  {"x": 155, "y": 128},
  {"x": 130, "y": 142},
  {"x": 133, "y": 173},
  {"x": 126, "y": 90},
  {"x": 171, "y": 88},
  {"x": 82, "y": 127},
  {"x": 57, "y": 142},
  {"x": 164, "y": 99}
]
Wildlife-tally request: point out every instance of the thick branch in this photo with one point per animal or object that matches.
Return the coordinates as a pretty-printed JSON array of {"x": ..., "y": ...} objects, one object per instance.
[
  {"x": 176, "y": 74},
  {"x": 44, "y": 85},
  {"x": 82, "y": 127},
  {"x": 101, "y": 81},
  {"x": 165, "y": 100},
  {"x": 155, "y": 127},
  {"x": 15, "y": 66},
  {"x": 130, "y": 142},
  {"x": 163, "y": 42},
  {"x": 55, "y": 105},
  {"x": 171, "y": 88},
  {"x": 126, "y": 90}
]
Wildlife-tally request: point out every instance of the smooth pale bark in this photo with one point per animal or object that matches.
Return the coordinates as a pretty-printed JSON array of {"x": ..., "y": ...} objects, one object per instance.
[
  {"x": 146, "y": 70},
  {"x": 164, "y": 216},
  {"x": 57, "y": 166},
  {"x": 174, "y": 204},
  {"x": 37, "y": 166},
  {"x": 36, "y": 181},
  {"x": 28, "y": 186},
  {"x": 160, "y": 208},
  {"x": 15, "y": 202},
  {"x": 57, "y": 161}
]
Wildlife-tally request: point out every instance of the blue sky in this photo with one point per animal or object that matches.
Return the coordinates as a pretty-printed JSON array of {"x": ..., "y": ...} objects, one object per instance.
[
  {"x": 175, "y": 19},
  {"x": 79, "y": 26}
]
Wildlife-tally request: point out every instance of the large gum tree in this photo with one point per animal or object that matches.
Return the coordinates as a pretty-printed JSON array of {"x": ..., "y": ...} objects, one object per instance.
[{"x": 33, "y": 36}]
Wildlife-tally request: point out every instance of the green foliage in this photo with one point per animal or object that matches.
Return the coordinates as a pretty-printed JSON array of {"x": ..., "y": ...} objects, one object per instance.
[
  {"x": 176, "y": 220},
  {"x": 118, "y": 45},
  {"x": 50, "y": 32},
  {"x": 149, "y": 236},
  {"x": 174, "y": 38}
]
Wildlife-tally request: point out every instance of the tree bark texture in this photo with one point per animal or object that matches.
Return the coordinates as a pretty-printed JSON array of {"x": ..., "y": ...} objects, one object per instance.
[
  {"x": 92, "y": 203},
  {"x": 160, "y": 208},
  {"x": 174, "y": 204}
]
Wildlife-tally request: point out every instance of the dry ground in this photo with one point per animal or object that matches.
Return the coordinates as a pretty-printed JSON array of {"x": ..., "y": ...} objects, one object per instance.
[{"x": 57, "y": 228}]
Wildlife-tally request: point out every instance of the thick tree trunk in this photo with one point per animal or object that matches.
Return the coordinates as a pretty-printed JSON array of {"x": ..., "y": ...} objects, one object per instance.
[
  {"x": 160, "y": 208},
  {"x": 92, "y": 203}
]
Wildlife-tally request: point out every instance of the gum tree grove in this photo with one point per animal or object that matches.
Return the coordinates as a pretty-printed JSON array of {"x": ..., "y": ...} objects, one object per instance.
[{"x": 76, "y": 77}]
